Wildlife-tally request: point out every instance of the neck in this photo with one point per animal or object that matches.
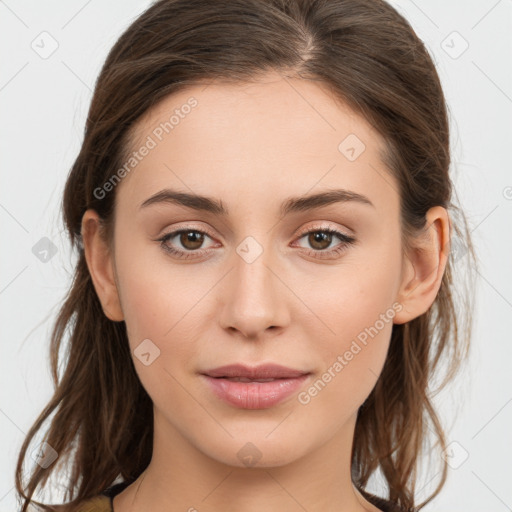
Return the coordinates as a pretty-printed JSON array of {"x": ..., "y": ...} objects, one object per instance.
[{"x": 182, "y": 478}]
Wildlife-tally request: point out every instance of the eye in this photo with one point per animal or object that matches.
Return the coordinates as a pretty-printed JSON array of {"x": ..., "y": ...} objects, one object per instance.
[
  {"x": 320, "y": 239},
  {"x": 190, "y": 239}
]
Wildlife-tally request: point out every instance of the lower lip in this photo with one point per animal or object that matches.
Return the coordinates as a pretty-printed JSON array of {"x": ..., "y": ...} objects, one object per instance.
[{"x": 254, "y": 395}]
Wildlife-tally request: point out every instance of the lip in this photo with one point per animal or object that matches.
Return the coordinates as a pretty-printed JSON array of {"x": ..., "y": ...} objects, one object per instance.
[{"x": 248, "y": 393}]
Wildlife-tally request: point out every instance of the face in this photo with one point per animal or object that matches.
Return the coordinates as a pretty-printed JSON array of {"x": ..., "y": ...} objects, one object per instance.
[{"x": 259, "y": 274}]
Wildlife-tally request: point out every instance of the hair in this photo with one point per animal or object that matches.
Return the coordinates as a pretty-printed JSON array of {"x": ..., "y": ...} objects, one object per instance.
[{"x": 372, "y": 60}]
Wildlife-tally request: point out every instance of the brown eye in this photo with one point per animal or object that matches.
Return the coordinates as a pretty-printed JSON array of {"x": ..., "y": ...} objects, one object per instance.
[
  {"x": 320, "y": 240},
  {"x": 191, "y": 240},
  {"x": 185, "y": 243}
]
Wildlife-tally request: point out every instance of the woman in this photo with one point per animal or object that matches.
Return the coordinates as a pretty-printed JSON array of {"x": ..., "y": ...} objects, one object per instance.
[{"x": 263, "y": 293}]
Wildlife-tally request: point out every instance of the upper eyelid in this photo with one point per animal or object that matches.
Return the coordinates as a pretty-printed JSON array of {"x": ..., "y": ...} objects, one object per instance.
[
  {"x": 317, "y": 227},
  {"x": 177, "y": 230},
  {"x": 324, "y": 227}
]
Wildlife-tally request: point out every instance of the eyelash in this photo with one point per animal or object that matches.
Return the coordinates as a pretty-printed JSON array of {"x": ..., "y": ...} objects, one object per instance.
[{"x": 346, "y": 241}]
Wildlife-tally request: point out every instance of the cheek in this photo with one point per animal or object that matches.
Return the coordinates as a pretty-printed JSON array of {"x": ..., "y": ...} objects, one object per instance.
[
  {"x": 351, "y": 359},
  {"x": 155, "y": 295},
  {"x": 164, "y": 303},
  {"x": 158, "y": 305},
  {"x": 358, "y": 307}
]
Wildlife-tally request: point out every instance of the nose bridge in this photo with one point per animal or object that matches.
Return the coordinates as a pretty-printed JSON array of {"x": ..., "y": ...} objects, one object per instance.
[{"x": 254, "y": 298}]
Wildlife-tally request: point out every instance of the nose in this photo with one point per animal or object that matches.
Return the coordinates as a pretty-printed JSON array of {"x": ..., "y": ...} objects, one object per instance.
[{"x": 254, "y": 298}]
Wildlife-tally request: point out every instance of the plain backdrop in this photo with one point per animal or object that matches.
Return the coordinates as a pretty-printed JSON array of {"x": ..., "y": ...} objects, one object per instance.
[{"x": 51, "y": 54}]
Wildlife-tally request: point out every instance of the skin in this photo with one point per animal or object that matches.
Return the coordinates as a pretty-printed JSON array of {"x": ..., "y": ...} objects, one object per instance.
[{"x": 253, "y": 146}]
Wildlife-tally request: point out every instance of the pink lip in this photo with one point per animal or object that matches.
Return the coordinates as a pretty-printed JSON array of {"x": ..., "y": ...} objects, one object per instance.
[{"x": 252, "y": 394}]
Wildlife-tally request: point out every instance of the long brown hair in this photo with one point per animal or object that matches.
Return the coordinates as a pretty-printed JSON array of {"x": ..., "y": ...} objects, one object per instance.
[{"x": 370, "y": 57}]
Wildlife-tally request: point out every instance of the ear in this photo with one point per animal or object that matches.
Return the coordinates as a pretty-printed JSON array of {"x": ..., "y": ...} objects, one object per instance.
[
  {"x": 101, "y": 266},
  {"x": 424, "y": 266}
]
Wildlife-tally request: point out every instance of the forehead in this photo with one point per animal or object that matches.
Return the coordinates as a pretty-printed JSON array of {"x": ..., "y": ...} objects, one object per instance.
[{"x": 274, "y": 136}]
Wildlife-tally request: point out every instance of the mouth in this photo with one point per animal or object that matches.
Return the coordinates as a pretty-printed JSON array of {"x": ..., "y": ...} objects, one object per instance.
[
  {"x": 246, "y": 379},
  {"x": 258, "y": 387},
  {"x": 262, "y": 372}
]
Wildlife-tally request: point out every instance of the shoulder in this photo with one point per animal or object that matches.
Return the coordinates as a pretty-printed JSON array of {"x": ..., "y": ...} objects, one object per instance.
[{"x": 100, "y": 503}]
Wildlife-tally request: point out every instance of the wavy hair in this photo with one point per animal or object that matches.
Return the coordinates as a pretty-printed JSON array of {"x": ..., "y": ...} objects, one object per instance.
[{"x": 371, "y": 58}]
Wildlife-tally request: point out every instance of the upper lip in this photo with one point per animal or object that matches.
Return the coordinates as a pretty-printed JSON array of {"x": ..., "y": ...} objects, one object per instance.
[{"x": 264, "y": 371}]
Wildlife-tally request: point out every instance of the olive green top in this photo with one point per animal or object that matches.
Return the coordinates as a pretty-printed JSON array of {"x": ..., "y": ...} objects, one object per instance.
[{"x": 99, "y": 503}]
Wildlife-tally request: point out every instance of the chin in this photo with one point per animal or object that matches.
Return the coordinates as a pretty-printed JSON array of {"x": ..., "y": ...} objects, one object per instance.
[{"x": 249, "y": 450}]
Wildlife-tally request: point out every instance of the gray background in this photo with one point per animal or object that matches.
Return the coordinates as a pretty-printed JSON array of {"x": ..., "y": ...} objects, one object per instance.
[{"x": 44, "y": 99}]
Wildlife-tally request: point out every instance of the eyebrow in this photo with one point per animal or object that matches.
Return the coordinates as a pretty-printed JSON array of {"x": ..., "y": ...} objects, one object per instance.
[{"x": 291, "y": 205}]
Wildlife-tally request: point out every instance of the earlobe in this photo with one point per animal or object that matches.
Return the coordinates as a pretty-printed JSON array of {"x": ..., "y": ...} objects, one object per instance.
[
  {"x": 101, "y": 266},
  {"x": 424, "y": 266}
]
